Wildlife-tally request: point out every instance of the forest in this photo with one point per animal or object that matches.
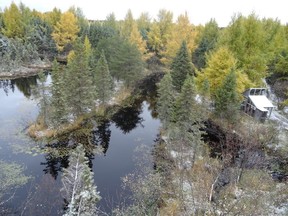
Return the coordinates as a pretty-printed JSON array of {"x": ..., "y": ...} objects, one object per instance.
[{"x": 210, "y": 158}]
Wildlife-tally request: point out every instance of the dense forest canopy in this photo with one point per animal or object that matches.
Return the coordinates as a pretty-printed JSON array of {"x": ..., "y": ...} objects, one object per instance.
[
  {"x": 205, "y": 70},
  {"x": 255, "y": 48}
]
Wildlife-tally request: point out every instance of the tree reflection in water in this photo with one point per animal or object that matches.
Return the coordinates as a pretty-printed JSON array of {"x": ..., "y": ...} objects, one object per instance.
[{"x": 128, "y": 118}]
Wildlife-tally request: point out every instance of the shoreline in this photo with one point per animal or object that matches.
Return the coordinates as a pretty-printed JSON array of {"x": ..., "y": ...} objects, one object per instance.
[{"x": 25, "y": 71}]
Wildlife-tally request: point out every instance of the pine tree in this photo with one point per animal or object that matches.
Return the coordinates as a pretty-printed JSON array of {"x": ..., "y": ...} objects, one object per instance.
[
  {"x": 103, "y": 80},
  {"x": 165, "y": 100},
  {"x": 58, "y": 101},
  {"x": 181, "y": 67},
  {"x": 78, "y": 74},
  {"x": 226, "y": 98},
  {"x": 79, "y": 189}
]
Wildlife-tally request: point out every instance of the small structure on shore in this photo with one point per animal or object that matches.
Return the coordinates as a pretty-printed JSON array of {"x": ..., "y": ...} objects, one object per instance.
[{"x": 256, "y": 104}]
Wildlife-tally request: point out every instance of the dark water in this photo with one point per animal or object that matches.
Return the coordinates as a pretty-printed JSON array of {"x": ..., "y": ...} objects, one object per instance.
[{"x": 130, "y": 128}]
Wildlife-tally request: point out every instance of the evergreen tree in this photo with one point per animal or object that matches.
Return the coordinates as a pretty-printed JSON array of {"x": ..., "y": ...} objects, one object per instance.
[
  {"x": 181, "y": 67},
  {"x": 103, "y": 80},
  {"x": 144, "y": 24},
  {"x": 226, "y": 98},
  {"x": 165, "y": 100},
  {"x": 207, "y": 43},
  {"x": 78, "y": 185},
  {"x": 123, "y": 58},
  {"x": 188, "y": 117},
  {"x": 78, "y": 75},
  {"x": 58, "y": 101}
]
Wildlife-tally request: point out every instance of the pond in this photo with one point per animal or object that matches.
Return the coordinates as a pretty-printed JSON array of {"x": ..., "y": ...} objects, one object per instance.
[{"x": 130, "y": 128}]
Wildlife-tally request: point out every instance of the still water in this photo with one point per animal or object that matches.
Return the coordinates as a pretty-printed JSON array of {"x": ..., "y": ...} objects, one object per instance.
[{"x": 130, "y": 128}]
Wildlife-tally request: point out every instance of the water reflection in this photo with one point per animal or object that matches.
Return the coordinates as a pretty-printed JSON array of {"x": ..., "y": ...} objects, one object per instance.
[
  {"x": 24, "y": 85},
  {"x": 128, "y": 118},
  {"x": 130, "y": 127},
  {"x": 101, "y": 135}
]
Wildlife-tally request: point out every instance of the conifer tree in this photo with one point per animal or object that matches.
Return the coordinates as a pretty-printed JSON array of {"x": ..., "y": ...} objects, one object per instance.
[
  {"x": 66, "y": 30},
  {"x": 58, "y": 101},
  {"x": 188, "y": 117},
  {"x": 79, "y": 189},
  {"x": 137, "y": 40},
  {"x": 219, "y": 64},
  {"x": 207, "y": 43},
  {"x": 13, "y": 24},
  {"x": 103, "y": 80},
  {"x": 181, "y": 67},
  {"x": 226, "y": 98},
  {"x": 165, "y": 100},
  {"x": 183, "y": 30},
  {"x": 127, "y": 25},
  {"x": 78, "y": 75}
]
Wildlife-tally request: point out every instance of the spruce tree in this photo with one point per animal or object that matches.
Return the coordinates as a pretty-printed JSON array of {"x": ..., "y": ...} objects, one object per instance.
[
  {"x": 165, "y": 100},
  {"x": 103, "y": 80},
  {"x": 79, "y": 189},
  {"x": 181, "y": 67},
  {"x": 78, "y": 74},
  {"x": 226, "y": 98},
  {"x": 188, "y": 118},
  {"x": 58, "y": 102}
]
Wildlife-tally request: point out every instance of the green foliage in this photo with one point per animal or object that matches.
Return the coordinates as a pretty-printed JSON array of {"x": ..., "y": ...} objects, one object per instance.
[
  {"x": 98, "y": 31},
  {"x": 160, "y": 32},
  {"x": 144, "y": 25},
  {"x": 127, "y": 25},
  {"x": 124, "y": 59},
  {"x": 187, "y": 112},
  {"x": 40, "y": 36},
  {"x": 79, "y": 189},
  {"x": 79, "y": 92},
  {"x": 226, "y": 98},
  {"x": 253, "y": 43},
  {"x": 165, "y": 101},
  {"x": 207, "y": 43},
  {"x": 181, "y": 67},
  {"x": 58, "y": 100},
  {"x": 103, "y": 80}
]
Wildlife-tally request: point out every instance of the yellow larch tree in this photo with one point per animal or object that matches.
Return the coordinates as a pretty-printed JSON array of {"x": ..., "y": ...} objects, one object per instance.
[
  {"x": 13, "y": 23},
  {"x": 219, "y": 65},
  {"x": 66, "y": 30},
  {"x": 183, "y": 30},
  {"x": 136, "y": 38}
]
